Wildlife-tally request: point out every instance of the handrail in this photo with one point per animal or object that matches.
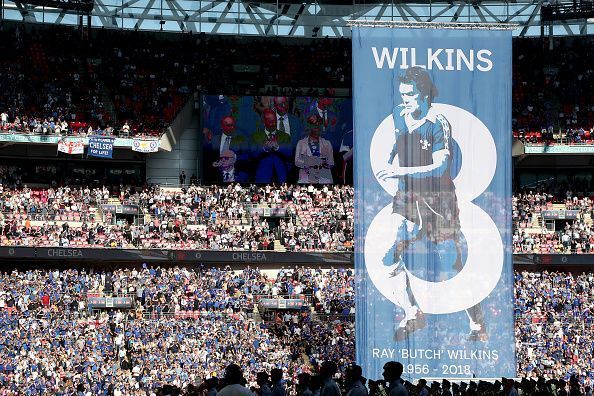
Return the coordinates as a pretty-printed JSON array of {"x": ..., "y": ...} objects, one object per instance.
[
  {"x": 196, "y": 315},
  {"x": 43, "y": 313},
  {"x": 73, "y": 132},
  {"x": 307, "y": 298},
  {"x": 36, "y": 216},
  {"x": 331, "y": 317},
  {"x": 102, "y": 293}
]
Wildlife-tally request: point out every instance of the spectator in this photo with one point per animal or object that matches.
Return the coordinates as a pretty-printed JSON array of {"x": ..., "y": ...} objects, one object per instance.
[
  {"x": 329, "y": 386},
  {"x": 355, "y": 382},
  {"x": 278, "y": 388},
  {"x": 234, "y": 382},
  {"x": 392, "y": 372}
]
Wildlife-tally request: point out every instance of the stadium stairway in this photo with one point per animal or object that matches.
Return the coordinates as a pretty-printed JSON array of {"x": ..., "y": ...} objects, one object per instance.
[
  {"x": 256, "y": 315},
  {"x": 278, "y": 246},
  {"x": 38, "y": 58},
  {"x": 180, "y": 144},
  {"x": 106, "y": 97}
]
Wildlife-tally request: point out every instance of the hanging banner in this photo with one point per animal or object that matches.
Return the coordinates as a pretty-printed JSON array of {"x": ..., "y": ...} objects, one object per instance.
[
  {"x": 71, "y": 145},
  {"x": 433, "y": 191},
  {"x": 100, "y": 146},
  {"x": 145, "y": 145}
]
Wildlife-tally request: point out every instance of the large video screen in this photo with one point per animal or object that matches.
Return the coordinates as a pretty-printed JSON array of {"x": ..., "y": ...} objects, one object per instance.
[{"x": 275, "y": 139}]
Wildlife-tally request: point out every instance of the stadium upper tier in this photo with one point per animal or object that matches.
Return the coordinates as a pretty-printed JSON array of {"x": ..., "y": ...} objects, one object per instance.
[
  {"x": 234, "y": 218},
  {"x": 290, "y": 17},
  {"x": 55, "y": 82}
]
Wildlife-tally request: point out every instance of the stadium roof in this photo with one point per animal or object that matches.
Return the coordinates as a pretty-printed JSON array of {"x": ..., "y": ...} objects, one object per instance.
[{"x": 289, "y": 17}]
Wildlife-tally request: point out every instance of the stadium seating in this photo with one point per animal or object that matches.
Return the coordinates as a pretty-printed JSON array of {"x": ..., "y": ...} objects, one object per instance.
[
  {"x": 113, "y": 78},
  {"x": 140, "y": 80},
  {"x": 551, "y": 101},
  {"x": 215, "y": 218},
  {"x": 182, "y": 319},
  {"x": 219, "y": 218},
  {"x": 187, "y": 324}
]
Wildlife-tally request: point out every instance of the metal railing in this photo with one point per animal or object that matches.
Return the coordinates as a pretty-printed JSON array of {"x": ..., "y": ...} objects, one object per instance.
[
  {"x": 196, "y": 315},
  {"x": 307, "y": 298},
  {"x": 102, "y": 293},
  {"x": 331, "y": 317},
  {"x": 77, "y": 132},
  {"x": 36, "y": 216}
]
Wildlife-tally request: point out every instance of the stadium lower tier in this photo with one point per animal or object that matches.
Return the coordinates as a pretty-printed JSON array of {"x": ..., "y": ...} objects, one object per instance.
[{"x": 130, "y": 332}]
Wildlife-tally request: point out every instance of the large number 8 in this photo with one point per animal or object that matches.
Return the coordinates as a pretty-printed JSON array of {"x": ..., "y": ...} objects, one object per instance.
[{"x": 485, "y": 258}]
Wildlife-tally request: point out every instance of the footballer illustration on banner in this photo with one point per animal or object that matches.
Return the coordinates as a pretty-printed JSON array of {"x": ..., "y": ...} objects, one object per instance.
[
  {"x": 432, "y": 184},
  {"x": 426, "y": 207}
]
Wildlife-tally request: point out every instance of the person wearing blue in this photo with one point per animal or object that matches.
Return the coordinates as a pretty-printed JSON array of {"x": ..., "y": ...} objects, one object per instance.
[
  {"x": 354, "y": 381},
  {"x": 235, "y": 383},
  {"x": 420, "y": 162},
  {"x": 217, "y": 107},
  {"x": 272, "y": 151},
  {"x": 262, "y": 379},
  {"x": 346, "y": 151},
  {"x": 329, "y": 387}
]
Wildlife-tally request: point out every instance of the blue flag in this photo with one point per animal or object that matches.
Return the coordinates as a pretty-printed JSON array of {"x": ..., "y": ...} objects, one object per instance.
[{"x": 100, "y": 146}]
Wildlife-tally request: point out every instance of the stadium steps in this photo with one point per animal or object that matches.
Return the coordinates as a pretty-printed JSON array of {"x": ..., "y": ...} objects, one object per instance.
[
  {"x": 108, "y": 103},
  {"x": 307, "y": 361},
  {"x": 100, "y": 214},
  {"x": 170, "y": 190},
  {"x": 246, "y": 219},
  {"x": 537, "y": 221},
  {"x": 256, "y": 315},
  {"x": 278, "y": 246},
  {"x": 534, "y": 230},
  {"x": 106, "y": 97},
  {"x": 38, "y": 58}
]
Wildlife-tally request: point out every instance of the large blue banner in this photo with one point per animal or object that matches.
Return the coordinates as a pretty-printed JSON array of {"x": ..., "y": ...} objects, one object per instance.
[{"x": 433, "y": 201}]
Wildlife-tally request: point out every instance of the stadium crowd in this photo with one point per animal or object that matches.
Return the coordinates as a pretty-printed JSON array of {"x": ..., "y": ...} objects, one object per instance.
[
  {"x": 124, "y": 82},
  {"x": 124, "y": 356},
  {"x": 158, "y": 291},
  {"x": 195, "y": 217},
  {"x": 551, "y": 102},
  {"x": 187, "y": 325},
  {"x": 554, "y": 316},
  {"x": 55, "y": 343},
  {"x": 573, "y": 236},
  {"x": 115, "y": 82},
  {"x": 314, "y": 218}
]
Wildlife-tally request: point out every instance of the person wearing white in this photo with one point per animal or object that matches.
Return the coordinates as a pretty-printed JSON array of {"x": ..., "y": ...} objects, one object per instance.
[{"x": 314, "y": 156}]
